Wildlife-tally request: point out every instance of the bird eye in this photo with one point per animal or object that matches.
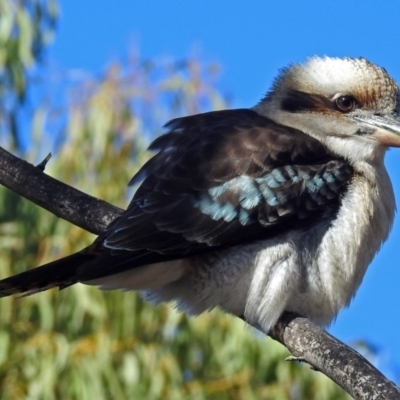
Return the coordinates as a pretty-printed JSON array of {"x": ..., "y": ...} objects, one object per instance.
[{"x": 346, "y": 103}]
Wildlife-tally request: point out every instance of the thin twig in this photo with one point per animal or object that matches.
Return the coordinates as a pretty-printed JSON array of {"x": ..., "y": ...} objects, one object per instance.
[{"x": 42, "y": 165}]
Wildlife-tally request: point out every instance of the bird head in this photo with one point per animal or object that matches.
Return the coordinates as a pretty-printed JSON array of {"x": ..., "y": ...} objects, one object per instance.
[{"x": 349, "y": 104}]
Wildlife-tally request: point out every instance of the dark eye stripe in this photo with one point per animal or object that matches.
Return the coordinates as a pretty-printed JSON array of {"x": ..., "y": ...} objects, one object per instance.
[{"x": 298, "y": 101}]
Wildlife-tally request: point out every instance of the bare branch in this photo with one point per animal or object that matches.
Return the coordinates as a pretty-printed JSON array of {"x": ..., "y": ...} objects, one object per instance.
[
  {"x": 306, "y": 341},
  {"x": 64, "y": 201},
  {"x": 349, "y": 369}
]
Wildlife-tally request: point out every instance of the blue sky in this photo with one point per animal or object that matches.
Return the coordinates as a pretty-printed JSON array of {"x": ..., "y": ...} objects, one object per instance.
[{"x": 251, "y": 40}]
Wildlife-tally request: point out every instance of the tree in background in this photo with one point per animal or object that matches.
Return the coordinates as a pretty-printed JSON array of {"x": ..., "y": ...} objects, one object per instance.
[
  {"x": 83, "y": 343},
  {"x": 26, "y": 28}
]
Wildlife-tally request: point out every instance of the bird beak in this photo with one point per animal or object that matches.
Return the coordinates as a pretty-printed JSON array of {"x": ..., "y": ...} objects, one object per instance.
[{"x": 385, "y": 129}]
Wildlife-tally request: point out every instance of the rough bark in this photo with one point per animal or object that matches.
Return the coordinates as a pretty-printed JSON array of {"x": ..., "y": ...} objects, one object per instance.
[
  {"x": 306, "y": 341},
  {"x": 349, "y": 369},
  {"x": 64, "y": 201}
]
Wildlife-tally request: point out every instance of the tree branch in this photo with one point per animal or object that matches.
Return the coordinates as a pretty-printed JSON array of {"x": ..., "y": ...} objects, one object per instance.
[
  {"x": 306, "y": 341},
  {"x": 64, "y": 201},
  {"x": 349, "y": 369}
]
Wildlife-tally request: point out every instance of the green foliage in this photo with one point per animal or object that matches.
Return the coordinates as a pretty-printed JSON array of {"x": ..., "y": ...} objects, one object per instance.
[{"x": 26, "y": 28}]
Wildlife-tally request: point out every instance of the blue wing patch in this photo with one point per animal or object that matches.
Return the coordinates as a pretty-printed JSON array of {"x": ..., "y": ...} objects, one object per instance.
[{"x": 289, "y": 190}]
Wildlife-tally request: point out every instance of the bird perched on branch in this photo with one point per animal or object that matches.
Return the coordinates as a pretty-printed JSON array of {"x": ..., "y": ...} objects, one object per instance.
[{"x": 258, "y": 211}]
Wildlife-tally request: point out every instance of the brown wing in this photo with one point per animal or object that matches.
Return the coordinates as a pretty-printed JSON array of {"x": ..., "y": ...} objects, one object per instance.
[{"x": 219, "y": 179}]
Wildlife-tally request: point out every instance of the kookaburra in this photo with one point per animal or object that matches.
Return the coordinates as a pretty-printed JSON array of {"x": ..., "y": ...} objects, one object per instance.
[{"x": 280, "y": 207}]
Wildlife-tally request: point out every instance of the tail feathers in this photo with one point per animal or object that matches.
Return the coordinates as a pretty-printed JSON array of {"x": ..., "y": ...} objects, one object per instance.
[{"x": 61, "y": 273}]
